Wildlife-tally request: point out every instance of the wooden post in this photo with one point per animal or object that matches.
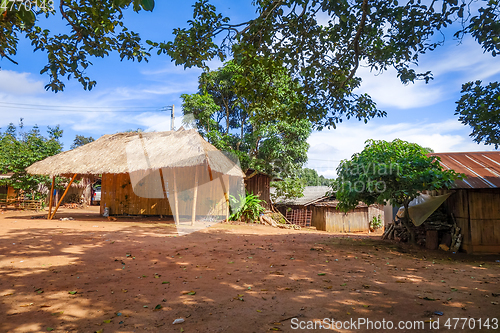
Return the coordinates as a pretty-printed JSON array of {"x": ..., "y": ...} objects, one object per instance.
[
  {"x": 51, "y": 196},
  {"x": 226, "y": 196},
  {"x": 193, "y": 217},
  {"x": 431, "y": 239},
  {"x": 175, "y": 200},
  {"x": 62, "y": 197}
]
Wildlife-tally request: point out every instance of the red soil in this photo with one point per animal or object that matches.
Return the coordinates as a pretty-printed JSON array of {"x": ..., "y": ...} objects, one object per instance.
[{"x": 226, "y": 278}]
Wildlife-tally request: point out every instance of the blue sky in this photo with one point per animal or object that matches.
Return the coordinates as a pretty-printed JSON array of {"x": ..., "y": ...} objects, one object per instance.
[{"x": 421, "y": 113}]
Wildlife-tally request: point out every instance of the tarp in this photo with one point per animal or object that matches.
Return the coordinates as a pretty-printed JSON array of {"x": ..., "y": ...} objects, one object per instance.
[{"x": 422, "y": 207}]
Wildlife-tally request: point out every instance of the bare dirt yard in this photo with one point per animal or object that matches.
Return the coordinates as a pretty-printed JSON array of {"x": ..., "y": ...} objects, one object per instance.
[{"x": 138, "y": 274}]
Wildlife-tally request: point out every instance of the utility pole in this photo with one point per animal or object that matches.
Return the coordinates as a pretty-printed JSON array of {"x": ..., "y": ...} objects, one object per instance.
[{"x": 172, "y": 116}]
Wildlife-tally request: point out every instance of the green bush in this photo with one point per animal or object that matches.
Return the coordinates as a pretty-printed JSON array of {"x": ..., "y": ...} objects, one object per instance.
[
  {"x": 249, "y": 210},
  {"x": 376, "y": 222}
]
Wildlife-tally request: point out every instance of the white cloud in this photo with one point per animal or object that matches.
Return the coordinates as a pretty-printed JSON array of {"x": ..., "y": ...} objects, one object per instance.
[
  {"x": 12, "y": 82},
  {"x": 388, "y": 91},
  {"x": 329, "y": 147},
  {"x": 451, "y": 65}
]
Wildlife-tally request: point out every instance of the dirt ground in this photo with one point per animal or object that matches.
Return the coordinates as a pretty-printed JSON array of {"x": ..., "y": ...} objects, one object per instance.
[{"x": 138, "y": 274}]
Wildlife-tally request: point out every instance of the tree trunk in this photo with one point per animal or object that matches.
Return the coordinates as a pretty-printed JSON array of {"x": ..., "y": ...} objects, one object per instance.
[{"x": 408, "y": 224}]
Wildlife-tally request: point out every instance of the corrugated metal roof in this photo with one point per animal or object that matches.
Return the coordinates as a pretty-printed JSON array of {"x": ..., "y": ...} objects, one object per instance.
[
  {"x": 312, "y": 194},
  {"x": 481, "y": 168},
  {"x": 334, "y": 204}
]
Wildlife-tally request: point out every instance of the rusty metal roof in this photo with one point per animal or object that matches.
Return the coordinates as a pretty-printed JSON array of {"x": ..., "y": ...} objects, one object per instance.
[
  {"x": 482, "y": 169},
  {"x": 311, "y": 194}
]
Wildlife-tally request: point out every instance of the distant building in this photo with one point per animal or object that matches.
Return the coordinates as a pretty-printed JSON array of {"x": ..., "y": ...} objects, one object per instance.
[
  {"x": 475, "y": 202},
  {"x": 319, "y": 209}
]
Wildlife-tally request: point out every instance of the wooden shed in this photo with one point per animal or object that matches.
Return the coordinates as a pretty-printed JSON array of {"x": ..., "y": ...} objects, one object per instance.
[
  {"x": 475, "y": 202},
  {"x": 258, "y": 183},
  {"x": 325, "y": 216},
  {"x": 299, "y": 210},
  {"x": 163, "y": 173}
]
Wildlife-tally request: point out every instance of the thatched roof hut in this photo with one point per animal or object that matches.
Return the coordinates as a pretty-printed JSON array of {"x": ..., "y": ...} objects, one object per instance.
[
  {"x": 129, "y": 152},
  {"x": 150, "y": 166}
]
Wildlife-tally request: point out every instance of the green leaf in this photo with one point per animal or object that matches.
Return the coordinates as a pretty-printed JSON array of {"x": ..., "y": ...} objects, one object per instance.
[
  {"x": 148, "y": 5},
  {"x": 72, "y": 292}
]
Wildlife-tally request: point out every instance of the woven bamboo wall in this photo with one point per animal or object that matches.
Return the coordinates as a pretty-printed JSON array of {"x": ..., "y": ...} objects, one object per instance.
[{"x": 148, "y": 197}]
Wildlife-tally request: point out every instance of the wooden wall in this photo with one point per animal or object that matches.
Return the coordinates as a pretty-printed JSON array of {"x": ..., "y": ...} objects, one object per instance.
[
  {"x": 259, "y": 185},
  {"x": 8, "y": 192},
  {"x": 11, "y": 192},
  {"x": 332, "y": 220},
  {"x": 319, "y": 217},
  {"x": 142, "y": 193},
  {"x": 477, "y": 213}
]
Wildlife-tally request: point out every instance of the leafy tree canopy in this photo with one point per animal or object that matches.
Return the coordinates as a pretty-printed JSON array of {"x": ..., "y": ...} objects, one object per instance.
[
  {"x": 320, "y": 43},
  {"x": 18, "y": 150},
  {"x": 311, "y": 178},
  {"x": 479, "y": 107},
  {"x": 227, "y": 120},
  {"x": 392, "y": 172},
  {"x": 81, "y": 140}
]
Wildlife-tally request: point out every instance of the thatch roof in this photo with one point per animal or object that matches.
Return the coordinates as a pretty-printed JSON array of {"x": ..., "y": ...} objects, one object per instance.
[{"x": 130, "y": 152}]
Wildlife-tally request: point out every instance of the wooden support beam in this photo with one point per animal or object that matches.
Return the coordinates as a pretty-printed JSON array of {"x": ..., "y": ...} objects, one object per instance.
[
  {"x": 175, "y": 200},
  {"x": 226, "y": 195},
  {"x": 62, "y": 197},
  {"x": 195, "y": 195},
  {"x": 51, "y": 196}
]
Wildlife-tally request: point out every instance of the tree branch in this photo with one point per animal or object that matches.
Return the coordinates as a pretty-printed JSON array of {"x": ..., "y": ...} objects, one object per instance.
[
  {"x": 355, "y": 42},
  {"x": 2, "y": 53}
]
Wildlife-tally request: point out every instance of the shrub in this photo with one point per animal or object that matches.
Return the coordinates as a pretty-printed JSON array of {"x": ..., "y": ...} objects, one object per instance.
[{"x": 249, "y": 210}]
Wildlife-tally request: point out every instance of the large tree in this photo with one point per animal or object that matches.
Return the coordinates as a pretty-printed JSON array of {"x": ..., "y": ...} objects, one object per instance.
[
  {"x": 81, "y": 140},
  {"x": 311, "y": 178},
  {"x": 479, "y": 107},
  {"x": 320, "y": 43},
  {"x": 20, "y": 149},
  {"x": 389, "y": 172},
  {"x": 225, "y": 117}
]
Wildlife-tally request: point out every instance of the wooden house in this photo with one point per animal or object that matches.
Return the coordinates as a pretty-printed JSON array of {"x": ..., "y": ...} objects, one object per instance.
[
  {"x": 318, "y": 209},
  {"x": 475, "y": 201},
  {"x": 163, "y": 173},
  {"x": 7, "y": 191},
  {"x": 299, "y": 210},
  {"x": 258, "y": 184}
]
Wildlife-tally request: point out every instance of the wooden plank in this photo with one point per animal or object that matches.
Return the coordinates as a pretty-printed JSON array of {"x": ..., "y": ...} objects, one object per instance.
[
  {"x": 431, "y": 239},
  {"x": 176, "y": 201},
  {"x": 193, "y": 215},
  {"x": 51, "y": 196},
  {"x": 62, "y": 197},
  {"x": 485, "y": 249}
]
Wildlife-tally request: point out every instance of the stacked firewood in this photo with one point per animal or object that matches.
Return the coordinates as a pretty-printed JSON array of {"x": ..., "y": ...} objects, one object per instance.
[
  {"x": 438, "y": 221},
  {"x": 269, "y": 218}
]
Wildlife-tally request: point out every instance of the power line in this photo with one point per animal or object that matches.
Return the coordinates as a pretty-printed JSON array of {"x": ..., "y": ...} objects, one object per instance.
[{"x": 79, "y": 109}]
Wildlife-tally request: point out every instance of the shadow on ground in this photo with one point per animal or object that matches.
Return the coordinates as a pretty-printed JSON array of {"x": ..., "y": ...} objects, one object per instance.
[{"x": 91, "y": 274}]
